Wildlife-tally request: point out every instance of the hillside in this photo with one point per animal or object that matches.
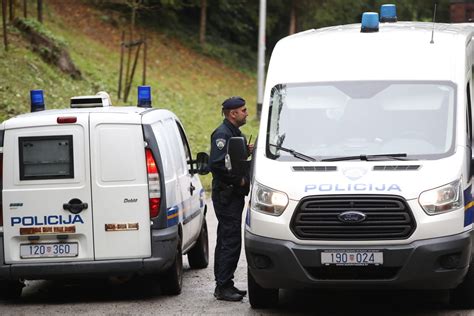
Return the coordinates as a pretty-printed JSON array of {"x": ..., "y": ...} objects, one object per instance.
[{"x": 191, "y": 85}]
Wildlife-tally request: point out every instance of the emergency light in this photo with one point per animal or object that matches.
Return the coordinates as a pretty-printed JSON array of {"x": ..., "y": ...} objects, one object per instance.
[
  {"x": 370, "y": 22},
  {"x": 37, "y": 100},
  {"x": 144, "y": 97},
  {"x": 388, "y": 13}
]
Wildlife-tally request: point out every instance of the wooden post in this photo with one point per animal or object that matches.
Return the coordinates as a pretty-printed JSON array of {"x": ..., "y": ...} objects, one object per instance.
[
  {"x": 122, "y": 46},
  {"x": 40, "y": 11},
  {"x": 129, "y": 57},
  {"x": 127, "y": 91},
  {"x": 144, "y": 59},
  {"x": 4, "y": 20},
  {"x": 25, "y": 9}
]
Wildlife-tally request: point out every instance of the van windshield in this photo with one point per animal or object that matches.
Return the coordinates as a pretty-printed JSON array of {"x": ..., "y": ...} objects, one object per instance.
[{"x": 413, "y": 120}]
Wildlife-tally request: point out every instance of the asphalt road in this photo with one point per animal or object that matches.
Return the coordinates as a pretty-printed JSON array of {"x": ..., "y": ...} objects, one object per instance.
[{"x": 143, "y": 297}]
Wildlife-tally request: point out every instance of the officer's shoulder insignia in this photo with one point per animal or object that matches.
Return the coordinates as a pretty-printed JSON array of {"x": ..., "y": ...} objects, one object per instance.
[{"x": 220, "y": 143}]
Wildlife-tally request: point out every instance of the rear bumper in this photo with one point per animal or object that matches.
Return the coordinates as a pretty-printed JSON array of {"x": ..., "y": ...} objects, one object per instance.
[
  {"x": 422, "y": 264},
  {"x": 163, "y": 243}
]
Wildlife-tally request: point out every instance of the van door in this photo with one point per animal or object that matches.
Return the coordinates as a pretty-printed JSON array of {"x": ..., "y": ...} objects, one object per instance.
[
  {"x": 119, "y": 187},
  {"x": 195, "y": 193},
  {"x": 187, "y": 188},
  {"x": 47, "y": 206}
]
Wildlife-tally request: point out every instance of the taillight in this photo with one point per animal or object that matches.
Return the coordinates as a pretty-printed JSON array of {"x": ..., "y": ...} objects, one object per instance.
[
  {"x": 154, "y": 192},
  {"x": 66, "y": 119}
]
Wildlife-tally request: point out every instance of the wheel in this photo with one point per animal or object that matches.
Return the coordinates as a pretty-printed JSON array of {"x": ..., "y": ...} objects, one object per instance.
[
  {"x": 172, "y": 279},
  {"x": 260, "y": 297},
  {"x": 463, "y": 295},
  {"x": 198, "y": 256},
  {"x": 11, "y": 290}
]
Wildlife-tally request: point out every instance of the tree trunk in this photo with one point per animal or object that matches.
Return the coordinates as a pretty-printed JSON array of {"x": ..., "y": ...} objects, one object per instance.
[
  {"x": 40, "y": 11},
  {"x": 292, "y": 29},
  {"x": 25, "y": 9},
  {"x": 12, "y": 10},
  {"x": 202, "y": 28},
  {"x": 4, "y": 19}
]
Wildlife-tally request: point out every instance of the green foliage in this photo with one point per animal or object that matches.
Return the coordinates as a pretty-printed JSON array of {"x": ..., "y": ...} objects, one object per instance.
[{"x": 41, "y": 29}]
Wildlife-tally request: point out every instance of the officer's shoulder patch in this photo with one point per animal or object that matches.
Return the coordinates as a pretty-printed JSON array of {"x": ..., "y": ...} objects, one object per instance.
[{"x": 220, "y": 143}]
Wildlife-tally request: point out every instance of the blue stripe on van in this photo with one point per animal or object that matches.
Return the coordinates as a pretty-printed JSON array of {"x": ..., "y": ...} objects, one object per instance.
[
  {"x": 468, "y": 206},
  {"x": 172, "y": 215}
]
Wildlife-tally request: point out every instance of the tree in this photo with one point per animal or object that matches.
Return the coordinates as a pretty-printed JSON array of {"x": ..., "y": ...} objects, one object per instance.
[{"x": 202, "y": 23}]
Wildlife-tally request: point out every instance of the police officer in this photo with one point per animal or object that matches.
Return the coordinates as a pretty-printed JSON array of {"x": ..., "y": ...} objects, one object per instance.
[{"x": 228, "y": 195}]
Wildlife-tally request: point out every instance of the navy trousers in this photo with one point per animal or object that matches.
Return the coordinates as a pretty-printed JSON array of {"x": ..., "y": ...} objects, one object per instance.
[{"x": 229, "y": 237}]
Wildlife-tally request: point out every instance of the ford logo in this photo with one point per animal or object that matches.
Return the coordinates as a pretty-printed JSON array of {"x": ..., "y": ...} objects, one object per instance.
[{"x": 352, "y": 217}]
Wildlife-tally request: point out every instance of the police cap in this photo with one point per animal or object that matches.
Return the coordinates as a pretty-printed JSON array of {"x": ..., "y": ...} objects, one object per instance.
[{"x": 233, "y": 103}]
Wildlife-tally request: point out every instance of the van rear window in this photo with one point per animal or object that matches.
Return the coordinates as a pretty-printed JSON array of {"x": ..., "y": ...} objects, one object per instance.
[{"x": 46, "y": 157}]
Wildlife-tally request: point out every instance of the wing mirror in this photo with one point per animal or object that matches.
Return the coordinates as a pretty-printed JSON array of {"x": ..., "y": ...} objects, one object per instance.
[
  {"x": 202, "y": 163},
  {"x": 236, "y": 158}
]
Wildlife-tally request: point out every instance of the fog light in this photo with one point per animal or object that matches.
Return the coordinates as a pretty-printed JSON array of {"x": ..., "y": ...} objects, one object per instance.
[
  {"x": 261, "y": 261},
  {"x": 450, "y": 261}
]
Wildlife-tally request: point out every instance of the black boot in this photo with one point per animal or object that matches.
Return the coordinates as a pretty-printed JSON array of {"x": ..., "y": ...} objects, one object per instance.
[
  {"x": 227, "y": 294},
  {"x": 241, "y": 292}
]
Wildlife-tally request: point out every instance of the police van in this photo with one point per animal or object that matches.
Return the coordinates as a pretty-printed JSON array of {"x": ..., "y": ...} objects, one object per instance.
[
  {"x": 99, "y": 191},
  {"x": 362, "y": 173}
]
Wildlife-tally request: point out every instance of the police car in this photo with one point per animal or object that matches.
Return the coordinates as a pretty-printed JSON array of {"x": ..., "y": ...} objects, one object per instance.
[{"x": 99, "y": 191}]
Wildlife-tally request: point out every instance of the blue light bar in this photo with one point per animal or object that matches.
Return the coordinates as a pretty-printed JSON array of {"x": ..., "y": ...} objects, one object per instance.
[
  {"x": 144, "y": 97},
  {"x": 37, "y": 100},
  {"x": 388, "y": 13},
  {"x": 370, "y": 22}
]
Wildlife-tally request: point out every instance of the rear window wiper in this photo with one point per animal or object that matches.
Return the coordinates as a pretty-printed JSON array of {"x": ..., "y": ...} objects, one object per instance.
[
  {"x": 401, "y": 156},
  {"x": 294, "y": 153}
]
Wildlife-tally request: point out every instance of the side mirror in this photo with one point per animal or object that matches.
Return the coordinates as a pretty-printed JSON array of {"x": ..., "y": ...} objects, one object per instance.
[
  {"x": 202, "y": 163},
  {"x": 237, "y": 156}
]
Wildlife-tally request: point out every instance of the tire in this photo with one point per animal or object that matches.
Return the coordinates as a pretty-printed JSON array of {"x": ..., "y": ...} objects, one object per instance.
[
  {"x": 198, "y": 256},
  {"x": 11, "y": 290},
  {"x": 462, "y": 296},
  {"x": 172, "y": 279},
  {"x": 260, "y": 297}
]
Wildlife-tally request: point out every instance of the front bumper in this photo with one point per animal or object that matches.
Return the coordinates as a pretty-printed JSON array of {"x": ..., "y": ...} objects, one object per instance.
[
  {"x": 163, "y": 243},
  {"x": 439, "y": 263}
]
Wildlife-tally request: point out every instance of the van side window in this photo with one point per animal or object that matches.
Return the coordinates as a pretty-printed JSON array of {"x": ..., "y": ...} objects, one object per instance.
[
  {"x": 468, "y": 115},
  {"x": 187, "y": 151},
  {"x": 46, "y": 157}
]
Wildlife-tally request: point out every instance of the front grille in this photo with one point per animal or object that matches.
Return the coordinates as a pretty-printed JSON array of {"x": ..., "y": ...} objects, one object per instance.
[
  {"x": 353, "y": 273},
  {"x": 397, "y": 168},
  {"x": 314, "y": 168},
  {"x": 387, "y": 217}
]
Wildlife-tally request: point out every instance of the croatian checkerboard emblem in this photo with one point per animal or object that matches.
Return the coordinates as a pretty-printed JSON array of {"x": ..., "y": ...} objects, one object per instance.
[{"x": 220, "y": 143}]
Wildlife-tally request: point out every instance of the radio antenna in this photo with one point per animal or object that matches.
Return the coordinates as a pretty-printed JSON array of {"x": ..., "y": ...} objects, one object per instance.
[{"x": 434, "y": 20}]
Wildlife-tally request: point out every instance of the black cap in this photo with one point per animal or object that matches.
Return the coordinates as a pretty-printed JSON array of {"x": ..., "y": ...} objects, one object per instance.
[{"x": 233, "y": 103}]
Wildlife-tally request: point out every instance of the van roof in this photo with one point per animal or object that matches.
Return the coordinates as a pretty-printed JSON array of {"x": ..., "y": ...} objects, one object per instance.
[
  {"x": 39, "y": 118},
  {"x": 398, "y": 51}
]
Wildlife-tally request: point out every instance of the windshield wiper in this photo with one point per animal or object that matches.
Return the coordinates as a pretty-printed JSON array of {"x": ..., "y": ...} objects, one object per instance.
[
  {"x": 401, "y": 156},
  {"x": 294, "y": 153}
]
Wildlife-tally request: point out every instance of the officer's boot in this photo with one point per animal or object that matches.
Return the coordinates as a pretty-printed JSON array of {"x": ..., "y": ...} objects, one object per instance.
[{"x": 226, "y": 293}]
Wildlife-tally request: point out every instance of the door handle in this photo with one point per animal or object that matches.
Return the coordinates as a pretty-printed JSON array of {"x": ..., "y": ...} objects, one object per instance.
[
  {"x": 75, "y": 206},
  {"x": 191, "y": 188}
]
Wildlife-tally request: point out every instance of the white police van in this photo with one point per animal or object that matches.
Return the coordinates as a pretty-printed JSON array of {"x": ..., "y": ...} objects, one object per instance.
[
  {"x": 99, "y": 191},
  {"x": 362, "y": 174}
]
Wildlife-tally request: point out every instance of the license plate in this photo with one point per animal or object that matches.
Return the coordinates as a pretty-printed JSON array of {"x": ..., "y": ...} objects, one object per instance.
[
  {"x": 352, "y": 257},
  {"x": 49, "y": 250}
]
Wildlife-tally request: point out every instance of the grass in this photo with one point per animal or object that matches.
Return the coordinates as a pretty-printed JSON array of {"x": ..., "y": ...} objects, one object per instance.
[{"x": 188, "y": 83}]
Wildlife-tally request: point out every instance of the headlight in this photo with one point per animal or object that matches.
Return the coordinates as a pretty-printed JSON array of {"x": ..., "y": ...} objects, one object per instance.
[
  {"x": 443, "y": 199},
  {"x": 267, "y": 200}
]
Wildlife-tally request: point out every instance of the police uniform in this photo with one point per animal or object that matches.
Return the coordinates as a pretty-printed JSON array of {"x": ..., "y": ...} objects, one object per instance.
[{"x": 228, "y": 199}]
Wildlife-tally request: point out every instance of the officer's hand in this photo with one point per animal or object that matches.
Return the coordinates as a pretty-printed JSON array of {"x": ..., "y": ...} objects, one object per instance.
[{"x": 250, "y": 148}]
